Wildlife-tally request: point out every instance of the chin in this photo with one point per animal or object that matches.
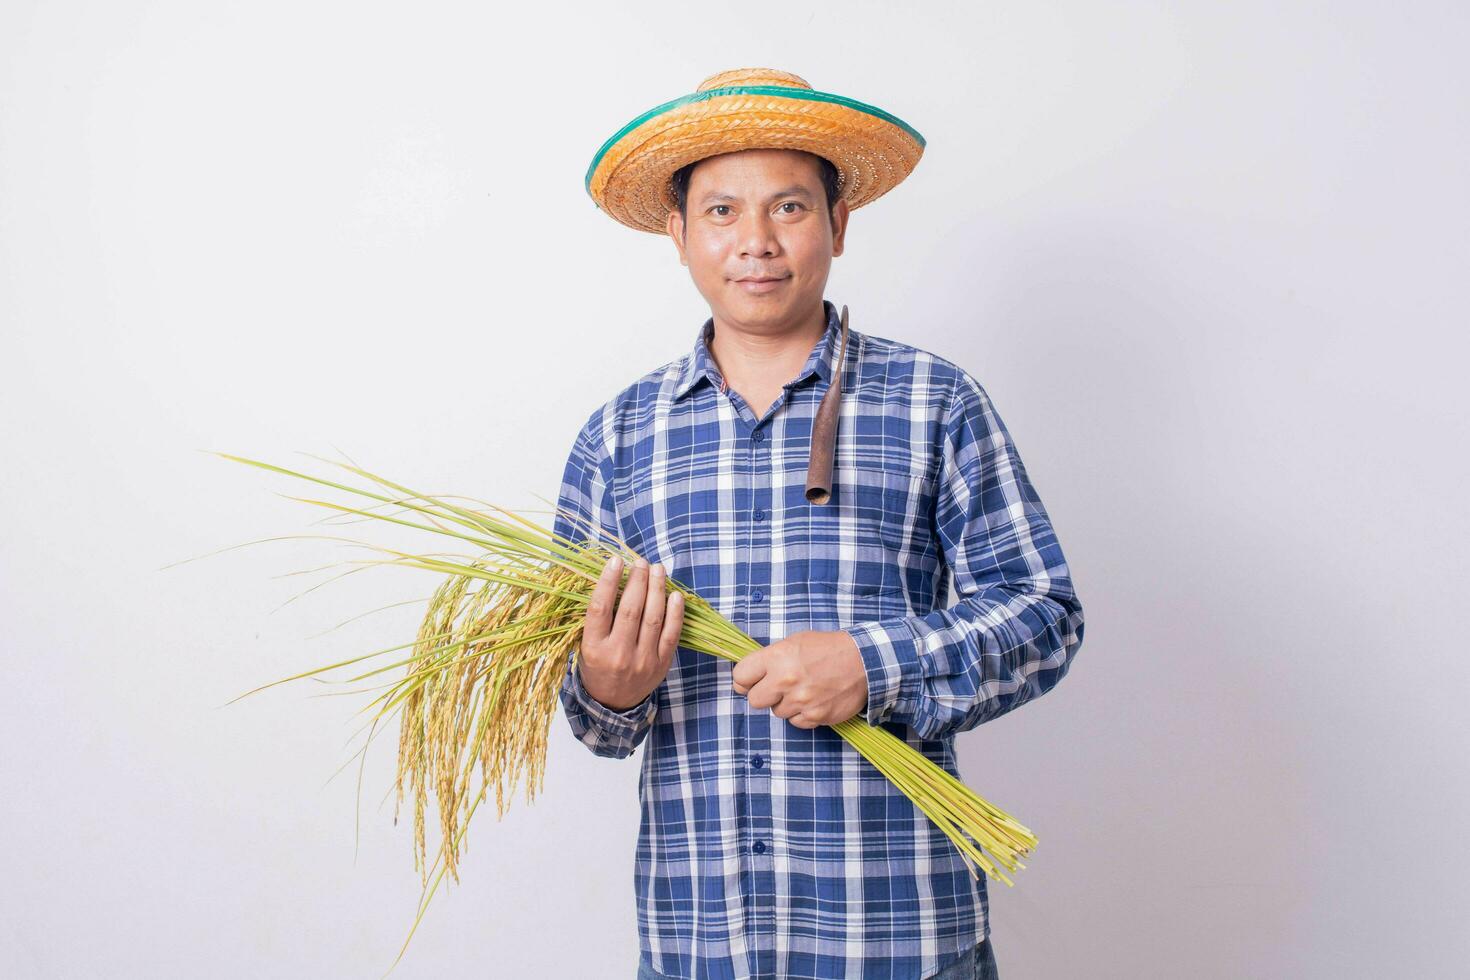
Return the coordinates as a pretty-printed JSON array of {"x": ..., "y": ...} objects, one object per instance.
[{"x": 761, "y": 307}]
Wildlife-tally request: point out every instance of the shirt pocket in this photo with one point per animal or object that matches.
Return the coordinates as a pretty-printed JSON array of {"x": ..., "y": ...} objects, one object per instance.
[
  {"x": 865, "y": 588},
  {"x": 870, "y": 597},
  {"x": 890, "y": 507}
]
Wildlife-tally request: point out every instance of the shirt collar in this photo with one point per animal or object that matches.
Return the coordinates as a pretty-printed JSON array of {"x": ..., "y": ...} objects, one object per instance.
[{"x": 700, "y": 365}]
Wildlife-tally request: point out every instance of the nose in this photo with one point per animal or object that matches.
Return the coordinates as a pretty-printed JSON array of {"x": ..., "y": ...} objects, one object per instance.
[{"x": 757, "y": 234}]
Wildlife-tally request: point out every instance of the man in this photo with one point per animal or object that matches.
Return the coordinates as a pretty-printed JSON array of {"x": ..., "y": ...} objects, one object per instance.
[{"x": 769, "y": 847}]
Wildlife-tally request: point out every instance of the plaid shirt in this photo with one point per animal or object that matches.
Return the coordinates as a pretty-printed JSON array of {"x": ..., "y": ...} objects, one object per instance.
[{"x": 768, "y": 850}]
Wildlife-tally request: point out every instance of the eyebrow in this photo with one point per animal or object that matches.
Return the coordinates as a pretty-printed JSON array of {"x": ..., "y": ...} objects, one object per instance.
[{"x": 795, "y": 190}]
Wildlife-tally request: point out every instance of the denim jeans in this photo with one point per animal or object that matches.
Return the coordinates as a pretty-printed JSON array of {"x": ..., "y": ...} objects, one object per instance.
[{"x": 977, "y": 963}]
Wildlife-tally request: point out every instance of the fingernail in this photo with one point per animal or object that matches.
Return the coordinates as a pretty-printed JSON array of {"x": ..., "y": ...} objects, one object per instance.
[
  {"x": 615, "y": 561},
  {"x": 641, "y": 563}
]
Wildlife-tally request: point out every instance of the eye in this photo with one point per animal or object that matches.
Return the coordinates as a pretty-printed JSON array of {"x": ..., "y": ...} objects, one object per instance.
[
  {"x": 792, "y": 203},
  {"x": 718, "y": 206}
]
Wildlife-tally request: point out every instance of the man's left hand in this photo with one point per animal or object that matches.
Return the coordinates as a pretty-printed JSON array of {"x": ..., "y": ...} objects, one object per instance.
[{"x": 810, "y": 678}]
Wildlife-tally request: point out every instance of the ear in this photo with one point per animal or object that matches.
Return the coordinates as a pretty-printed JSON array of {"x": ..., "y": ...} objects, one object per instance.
[
  {"x": 675, "y": 229},
  {"x": 839, "y": 225}
]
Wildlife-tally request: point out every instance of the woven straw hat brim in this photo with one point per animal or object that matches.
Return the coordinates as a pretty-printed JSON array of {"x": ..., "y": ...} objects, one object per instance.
[{"x": 872, "y": 150}]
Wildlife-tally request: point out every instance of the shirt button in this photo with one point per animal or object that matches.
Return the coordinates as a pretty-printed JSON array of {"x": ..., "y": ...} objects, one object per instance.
[
  {"x": 756, "y": 761},
  {"x": 759, "y": 435},
  {"x": 757, "y": 596},
  {"x": 759, "y": 847},
  {"x": 760, "y": 515}
]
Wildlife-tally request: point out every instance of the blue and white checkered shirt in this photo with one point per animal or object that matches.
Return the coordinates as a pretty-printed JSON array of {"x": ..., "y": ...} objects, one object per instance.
[{"x": 768, "y": 850}]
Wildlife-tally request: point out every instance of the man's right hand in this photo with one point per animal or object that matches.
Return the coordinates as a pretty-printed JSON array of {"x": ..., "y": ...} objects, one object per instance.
[{"x": 627, "y": 653}]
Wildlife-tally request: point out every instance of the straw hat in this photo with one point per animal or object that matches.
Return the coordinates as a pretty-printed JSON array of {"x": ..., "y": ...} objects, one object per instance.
[{"x": 745, "y": 109}]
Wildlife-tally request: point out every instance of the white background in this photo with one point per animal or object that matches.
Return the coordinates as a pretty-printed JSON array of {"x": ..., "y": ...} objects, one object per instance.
[{"x": 1208, "y": 259}]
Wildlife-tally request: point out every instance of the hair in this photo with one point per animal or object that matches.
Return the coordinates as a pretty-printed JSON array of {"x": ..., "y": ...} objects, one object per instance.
[{"x": 680, "y": 184}]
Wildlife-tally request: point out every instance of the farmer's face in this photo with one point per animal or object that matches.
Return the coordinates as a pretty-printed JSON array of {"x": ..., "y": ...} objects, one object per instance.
[{"x": 759, "y": 213}]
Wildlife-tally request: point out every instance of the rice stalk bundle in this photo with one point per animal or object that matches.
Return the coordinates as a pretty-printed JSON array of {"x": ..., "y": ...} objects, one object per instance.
[{"x": 481, "y": 680}]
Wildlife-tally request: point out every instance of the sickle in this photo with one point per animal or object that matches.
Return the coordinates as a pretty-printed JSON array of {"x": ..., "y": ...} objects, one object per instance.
[{"x": 824, "y": 431}]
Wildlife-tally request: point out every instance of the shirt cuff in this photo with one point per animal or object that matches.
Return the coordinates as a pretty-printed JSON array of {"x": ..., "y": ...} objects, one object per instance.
[
  {"x": 890, "y": 651},
  {"x": 617, "y": 723}
]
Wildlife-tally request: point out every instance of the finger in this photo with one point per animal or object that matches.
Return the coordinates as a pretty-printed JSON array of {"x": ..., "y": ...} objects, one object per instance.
[
  {"x": 786, "y": 707},
  {"x": 668, "y": 641},
  {"x": 765, "y": 694},
  {"x": 630, "y": 605},
  {"x": 600, "y": 605},
  {"x": 748, "y": 672},
  {"x": 655, "y": 608}
]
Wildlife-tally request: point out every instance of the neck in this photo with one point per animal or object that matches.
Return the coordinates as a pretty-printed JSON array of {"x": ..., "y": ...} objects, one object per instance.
[{"x": 766, "y": 357}]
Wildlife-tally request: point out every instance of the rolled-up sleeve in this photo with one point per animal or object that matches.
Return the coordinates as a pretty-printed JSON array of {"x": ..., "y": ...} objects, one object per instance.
[
  {"x": 584, "y": 503},
  {"x": 1017, "y": 624}
]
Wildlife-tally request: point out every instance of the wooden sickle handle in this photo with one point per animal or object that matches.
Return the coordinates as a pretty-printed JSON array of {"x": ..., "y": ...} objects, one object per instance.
[{"x": 824, "y": 430}]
